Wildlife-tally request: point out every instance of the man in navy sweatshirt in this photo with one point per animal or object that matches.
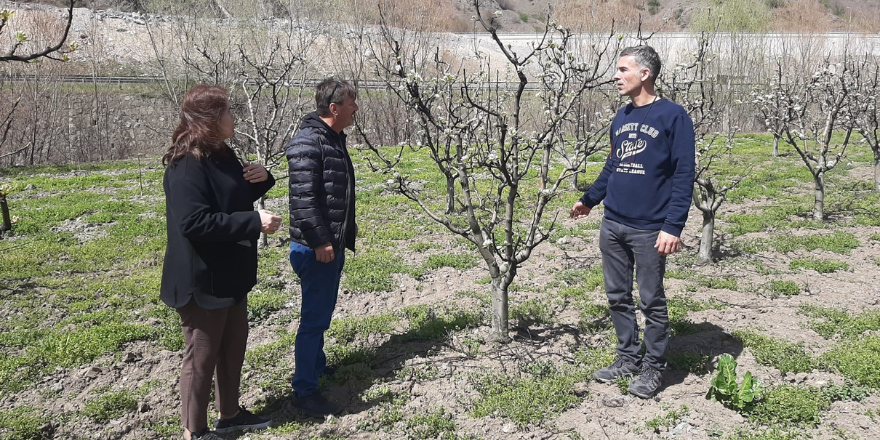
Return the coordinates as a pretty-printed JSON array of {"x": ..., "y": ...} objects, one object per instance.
[{"x": 646, "y": 186}]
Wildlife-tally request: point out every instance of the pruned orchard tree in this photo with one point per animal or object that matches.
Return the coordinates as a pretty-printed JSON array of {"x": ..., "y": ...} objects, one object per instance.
[
  {"x": 501, "y": 146},
  {"x": 770, "y": 108},
  {"x": 23, "y": 51},
  {"x": 691, "y": 84},
  {"x": 265, "y": 70},
  {"x": 817, "y": 106},
  {"x": 866, "y": 113}
]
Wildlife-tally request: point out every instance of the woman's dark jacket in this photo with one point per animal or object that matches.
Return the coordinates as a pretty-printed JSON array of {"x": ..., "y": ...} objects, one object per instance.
[
  {"x": 321, "y": 186},
  {"x": 212, "y": 232}
]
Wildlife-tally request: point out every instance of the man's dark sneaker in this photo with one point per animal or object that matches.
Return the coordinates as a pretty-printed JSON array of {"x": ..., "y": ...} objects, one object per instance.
[
  {"x": 619, "y": 368},
  {"x": 205, "y": 434},
  {"x": 315, "y": 405},
  {"x": 646, "y": 385},
  {"x": 243, "y": 420}
]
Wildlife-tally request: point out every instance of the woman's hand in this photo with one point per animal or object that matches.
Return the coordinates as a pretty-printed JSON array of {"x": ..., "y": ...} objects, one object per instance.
[
  {"x": 269, "y": 222},
  {"x": 254, "y": 172}
]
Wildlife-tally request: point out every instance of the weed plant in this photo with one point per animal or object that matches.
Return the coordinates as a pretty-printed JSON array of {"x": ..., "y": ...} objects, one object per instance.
[
  {"x": 667, "y": 419},
  {"x": 829, "y": 322},
  {"x": 110, "y": 405},
  {"x": 818, "y": 264},
  {"x": 790, "y": 405},
  {"x": 22, "y": 423},
  {"x": 857, "y": 359},
  {"x": 782, "y": 355}
]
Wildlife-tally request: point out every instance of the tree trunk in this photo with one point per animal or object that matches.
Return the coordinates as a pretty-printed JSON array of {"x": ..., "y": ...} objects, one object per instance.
[
  {"x": 4, "y": 210},
  {"x": 705, "y": 255},
  {"x": 450, "y": 194},
  {"x": 775, "y": 146},
  {"x": 819, "y": 204},
  {"x": 877, "y": 174},
  {"x": 499, "y": 309},
  {"x": 573, "y": 183},
  {"x": 264, "y": 239}
]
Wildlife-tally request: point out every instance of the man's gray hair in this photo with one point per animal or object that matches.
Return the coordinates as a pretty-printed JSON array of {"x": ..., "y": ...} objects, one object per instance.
[
  {"x": 646, "y": 57},
  {"x": 331, "y": 91}
]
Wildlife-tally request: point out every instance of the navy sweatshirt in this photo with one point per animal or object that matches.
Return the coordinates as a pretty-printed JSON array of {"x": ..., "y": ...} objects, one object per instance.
[{"x": 648, "y": 179}]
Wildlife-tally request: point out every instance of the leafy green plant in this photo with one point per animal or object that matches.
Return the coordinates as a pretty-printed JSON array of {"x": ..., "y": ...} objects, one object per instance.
[
  {"x": 847, "y": 392},
  {"x": 740, "y": 397}
]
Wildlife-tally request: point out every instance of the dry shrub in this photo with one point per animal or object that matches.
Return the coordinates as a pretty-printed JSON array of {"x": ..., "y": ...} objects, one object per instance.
[
  {"x": 43, "y": 28},
  {"x": 864, "y": 18},
  {"x": 803, "y": 16},
  {"x": 597, "y": 16}
]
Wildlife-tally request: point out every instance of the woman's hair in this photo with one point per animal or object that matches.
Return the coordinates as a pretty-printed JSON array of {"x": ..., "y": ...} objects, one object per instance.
[{"x": 199, "y": 130}]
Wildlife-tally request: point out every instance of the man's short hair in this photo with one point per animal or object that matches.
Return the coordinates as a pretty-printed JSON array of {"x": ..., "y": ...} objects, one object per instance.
[
  {"x": 646, "y": 57},
  {"x": 332, "y": 91}
]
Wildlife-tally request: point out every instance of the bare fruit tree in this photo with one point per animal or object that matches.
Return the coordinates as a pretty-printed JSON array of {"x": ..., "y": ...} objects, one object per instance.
[
  {"x": 770, "y": 108},
  {"x": 816, "y": 107},
  {"x": 501, "y": 144},
  {"x": 265, "y": 70},
  {"x": 691, "y": 85},
  {"x": 867, "y": 114},
  {"x": 55, "y": 50}
]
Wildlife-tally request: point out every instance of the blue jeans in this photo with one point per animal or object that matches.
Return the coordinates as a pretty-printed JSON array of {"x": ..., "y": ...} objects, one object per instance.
[
  {"x": 320, "y": 288},
  {"x": 622, "y": 248}
]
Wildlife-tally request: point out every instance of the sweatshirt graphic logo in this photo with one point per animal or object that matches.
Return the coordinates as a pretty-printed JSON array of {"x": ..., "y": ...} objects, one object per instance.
[{"x": 629, "y": 148}]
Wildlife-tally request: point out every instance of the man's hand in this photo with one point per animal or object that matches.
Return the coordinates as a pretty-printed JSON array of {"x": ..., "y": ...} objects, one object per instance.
[
  {"x": 254, "y": 172},
  {"x": 324, "y": 253},
  {"x": 579, "y": 210},
  {"x": 667, "y": 244}
]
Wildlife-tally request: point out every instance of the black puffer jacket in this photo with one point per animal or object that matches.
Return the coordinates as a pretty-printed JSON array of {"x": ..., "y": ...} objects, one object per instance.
[{"x": 321, "y": 186}]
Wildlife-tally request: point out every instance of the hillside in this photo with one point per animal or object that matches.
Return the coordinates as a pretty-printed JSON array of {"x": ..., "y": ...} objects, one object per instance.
[{"x": 530, "y": 15}]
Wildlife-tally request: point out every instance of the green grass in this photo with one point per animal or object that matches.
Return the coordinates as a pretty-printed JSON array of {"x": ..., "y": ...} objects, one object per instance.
[
  {"x": 430, "y": 323},
  {"x": 110, "y": 405},
  {"x": 22, "y": 423},
  {"x": 856, "y": 359},
  {"x": 371, "y": 271},
  {"x": 678, "y": 308},
  {"x": 829, "y": 322},
  {"x": 345, "y": 330},
  {"x": 785, "y": 356},
  {"x": 818, "y": 264},
  {"x": 784, "y": 288},
  {"x": 532, "y": 312},
  {"x": 459, "y": 261},
  {"x": 790, "y": 405},
  {"x": 525, "y": 400},
  {"x": 667, "y": 419},
  {"x": 838, "y": 242}
]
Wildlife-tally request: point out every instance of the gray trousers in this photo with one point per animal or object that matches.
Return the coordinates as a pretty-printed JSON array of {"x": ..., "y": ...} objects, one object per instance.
[{"x": 622, "y": 248}]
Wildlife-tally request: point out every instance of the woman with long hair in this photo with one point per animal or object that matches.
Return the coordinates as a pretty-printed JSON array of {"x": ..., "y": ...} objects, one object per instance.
[{"x": 211, "y": 259}]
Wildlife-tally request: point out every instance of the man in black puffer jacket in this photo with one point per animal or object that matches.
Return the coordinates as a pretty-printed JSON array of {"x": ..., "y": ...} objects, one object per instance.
[{"x": 322, "y": 225}]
